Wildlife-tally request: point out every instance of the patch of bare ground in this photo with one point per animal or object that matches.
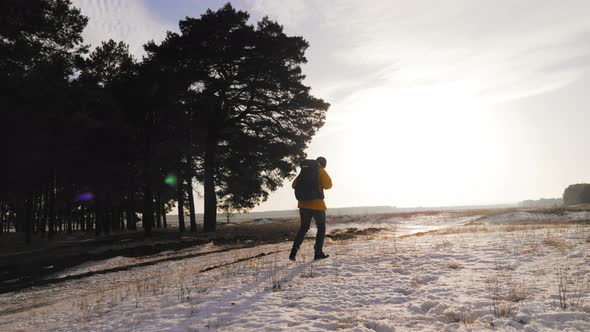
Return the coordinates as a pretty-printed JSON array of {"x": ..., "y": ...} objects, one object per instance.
[
  {"x": 42, "y": 259},
  {"x": 262, "y": 233},
  {"x": 17, "y": 276},
  {"x": 351, "y": 233}
]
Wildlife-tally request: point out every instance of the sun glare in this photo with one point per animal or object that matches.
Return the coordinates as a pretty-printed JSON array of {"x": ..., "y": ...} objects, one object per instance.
[{"x": 422, "y": 137}]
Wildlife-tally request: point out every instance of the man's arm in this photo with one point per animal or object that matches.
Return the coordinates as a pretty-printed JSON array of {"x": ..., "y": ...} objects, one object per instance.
[
  {"x": 294, "y": 183},
  {"x": 325, "y": 180}
]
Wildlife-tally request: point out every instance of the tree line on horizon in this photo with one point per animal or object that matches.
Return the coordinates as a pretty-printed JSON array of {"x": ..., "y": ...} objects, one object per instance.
[
  {"x": 577, "y": 194},
  {"x": 92, "y": 139}
]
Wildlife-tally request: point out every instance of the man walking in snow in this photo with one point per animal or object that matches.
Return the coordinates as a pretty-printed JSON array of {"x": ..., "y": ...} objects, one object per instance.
[{"x": 309, "y": 188}]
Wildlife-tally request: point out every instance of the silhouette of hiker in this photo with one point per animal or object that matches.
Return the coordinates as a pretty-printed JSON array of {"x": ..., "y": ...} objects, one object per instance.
[{"x": 309, "y": 188}]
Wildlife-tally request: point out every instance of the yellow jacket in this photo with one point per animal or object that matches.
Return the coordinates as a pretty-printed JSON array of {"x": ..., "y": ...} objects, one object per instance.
[{"x": 316, "y": 204}]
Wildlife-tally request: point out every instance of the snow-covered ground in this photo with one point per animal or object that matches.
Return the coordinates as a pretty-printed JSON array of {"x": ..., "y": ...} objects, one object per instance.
[
  {"x": 522, "y": 216},
  {"x": 490, "y": 276},
  {"x": 401, "y": 224}
]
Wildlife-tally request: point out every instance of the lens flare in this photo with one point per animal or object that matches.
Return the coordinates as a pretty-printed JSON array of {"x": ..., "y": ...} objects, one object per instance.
[
  {"x": 170, "y": 180},
  {"x": 85, "y": 196}
]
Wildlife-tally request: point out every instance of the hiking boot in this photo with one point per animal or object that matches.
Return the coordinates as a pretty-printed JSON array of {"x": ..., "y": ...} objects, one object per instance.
[
  {"x": 321, "y": 255},
  {"x": 293, "y": 254}
]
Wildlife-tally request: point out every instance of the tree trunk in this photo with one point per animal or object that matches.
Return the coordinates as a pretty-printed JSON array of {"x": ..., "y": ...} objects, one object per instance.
[
  {"x": 163, "y": 207},
  {"x": 81, "y": 219},
  {"x": 210, "y": 210},
  {"x": 108, "y": 214},
  {"x": 2, "y": 217},
  {"x": 116, "y": 221},
  {"x": 191, "y": 205},
  {"x": 122, "y": 219},
  {"x": 44, "y": 212},
  {"x": 88, "y": 215},
  {"x": 148, "y": 170},
  {"x": 18, "y": 220},
  {"x": 91, "y": 221},
  {"x": 11, "y": 218},
  {"x": 131, "y": 222},
  {"x": 189, "y": 178},
  {"x": 37, "y": 213},
  {"x": 130, "y": 219},
  {"x": 51, "y": 206},
  {"x": 28, "y": 214},
  {"x": 180, "y": 197},
  {"x": 33, "y": 213},
  {"x": 148, "y": 210},
  {"x": 148, "y": 197},
  {"x": 158, "y": 212},
  {"x": 69, "y": 216},
  {"x": 99, "y": 216}
]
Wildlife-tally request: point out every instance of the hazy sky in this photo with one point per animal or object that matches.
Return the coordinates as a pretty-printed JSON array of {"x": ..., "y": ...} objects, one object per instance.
[{"x": 433, "y": 102}]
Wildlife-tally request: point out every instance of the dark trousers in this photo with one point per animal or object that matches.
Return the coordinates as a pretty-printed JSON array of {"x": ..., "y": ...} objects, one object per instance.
[{"x": 320, "y": 221}]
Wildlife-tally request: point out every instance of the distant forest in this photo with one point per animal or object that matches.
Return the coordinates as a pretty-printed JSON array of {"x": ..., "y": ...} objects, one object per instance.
[
  {"x": 94, "y": 139},
  {"x": 573, "y": 194},
  {"x": 577, "y": 194},
  {"x": 543, "y": 202}
]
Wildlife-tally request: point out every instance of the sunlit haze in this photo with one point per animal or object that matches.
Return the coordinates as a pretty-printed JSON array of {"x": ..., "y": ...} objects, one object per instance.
[{"x": 433, "y": 103}]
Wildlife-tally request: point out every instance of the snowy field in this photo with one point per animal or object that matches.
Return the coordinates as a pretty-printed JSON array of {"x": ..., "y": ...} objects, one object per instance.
[
  {"x": 400, "y": 223},
  {"x": 490, "y": 275}
]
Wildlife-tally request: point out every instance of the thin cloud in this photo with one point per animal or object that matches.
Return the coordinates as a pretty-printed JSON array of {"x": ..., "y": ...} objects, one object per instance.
[
  {"x": 429, "y": 42},
  {"x": 129, "y": 21}
]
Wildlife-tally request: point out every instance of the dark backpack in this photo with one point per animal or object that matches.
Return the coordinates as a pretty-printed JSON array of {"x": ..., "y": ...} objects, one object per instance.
[{"x": 307, "y": 185}]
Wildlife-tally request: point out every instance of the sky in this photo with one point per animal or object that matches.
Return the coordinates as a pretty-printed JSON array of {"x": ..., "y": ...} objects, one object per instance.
[{"x": 433, "y": 103}]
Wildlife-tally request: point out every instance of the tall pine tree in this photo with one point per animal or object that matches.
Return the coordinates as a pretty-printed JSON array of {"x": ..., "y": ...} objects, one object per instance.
[{"x": 250, "y": 103}]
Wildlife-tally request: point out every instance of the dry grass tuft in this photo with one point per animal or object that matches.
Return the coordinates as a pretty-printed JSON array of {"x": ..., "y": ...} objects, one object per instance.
[
  {"x": 517, "y": 292},
  {"x": 503, "y": 264},
  {"x": 502, "y": 304},
  {"x": 557, "y": 243},
  {"x": 454, "y": 265},
  {"x": 504, "y": 309},
  {"x": 466, "y": 317},
  {"x": 571, "y": 287},
  {"x": 530, "y": 249},
  {"x": 521, "y": 227},
  {"x": 442, "y": 245},
  {"x": 558, "y": 210}
]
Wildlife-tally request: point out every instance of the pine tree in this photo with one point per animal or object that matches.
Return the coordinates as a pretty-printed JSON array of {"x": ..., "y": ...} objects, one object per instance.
[{"x": 244, "y": 85}]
